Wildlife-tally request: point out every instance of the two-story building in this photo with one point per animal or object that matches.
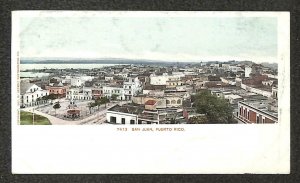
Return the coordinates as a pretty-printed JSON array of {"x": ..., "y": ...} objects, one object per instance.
[
  {"x": 256, "y": 112},
  {"x": 59, "y": 90},
  {"x": 30, "y": 94}
]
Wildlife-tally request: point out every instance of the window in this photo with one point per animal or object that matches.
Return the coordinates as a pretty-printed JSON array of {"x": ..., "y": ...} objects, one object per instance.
[
  {"x": 132, "y": 122},
  {"x": 178, "y": 101},
  {"x": 113, "y": 119},
  {"x": 248, "y": 115},
  {"x": 168, "y": 101},
  {"x": 257, "y": 119},
  {"x": 123, "y": 121},
  {"x": 241, "y": 111},
  {"x": 263, "y": 120}
]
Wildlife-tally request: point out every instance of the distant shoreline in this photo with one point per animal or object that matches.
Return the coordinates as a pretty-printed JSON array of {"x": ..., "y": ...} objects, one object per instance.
[{"x": 119, "y": 62}]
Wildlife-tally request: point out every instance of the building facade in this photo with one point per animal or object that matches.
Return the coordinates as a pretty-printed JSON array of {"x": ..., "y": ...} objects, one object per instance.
[
  {"x": 255, "y": 113},
  {"x": 30, "y": 94}
]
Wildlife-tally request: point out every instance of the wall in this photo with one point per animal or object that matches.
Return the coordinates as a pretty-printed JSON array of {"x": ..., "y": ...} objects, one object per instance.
[
  {"x": 253, "y": 114},
  {"x": 119, "y": 117},
  {"x": 256, "y": 90},
  {"x": 32, "y": 97}
]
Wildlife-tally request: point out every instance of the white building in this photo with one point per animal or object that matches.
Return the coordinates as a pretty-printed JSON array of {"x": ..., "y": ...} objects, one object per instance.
[
  {"x": 118, "y": 117},
  {"x": 84, "y": 93},
  {"x": 131, "y": 86},
  {"x": 123, "y": 75},
  {"x": 248, "y": 71},
  {"x": 225, "y": 66},
  {"x": 234, "y": 68},
  {"x": 162, "y": 79},
  {"x": 30, "y": 93},
  {"x": 109, "y": 78},
  {"x": 86, "y": 78},
  {"x": 256, "y": 90},
  {"x": 109, "y": 91},
  {"x": 77, "y": 82}
]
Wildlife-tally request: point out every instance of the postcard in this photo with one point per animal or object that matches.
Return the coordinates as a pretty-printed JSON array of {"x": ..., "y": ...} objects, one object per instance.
[{"x": 150, "y": 92}]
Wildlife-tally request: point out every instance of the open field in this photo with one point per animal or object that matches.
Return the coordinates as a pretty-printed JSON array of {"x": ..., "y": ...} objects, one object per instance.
[{"x": 26, "y": 119}]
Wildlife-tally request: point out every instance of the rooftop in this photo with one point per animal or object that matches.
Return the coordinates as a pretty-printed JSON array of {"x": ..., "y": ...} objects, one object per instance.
[
  {"x": 263, "y": 106},
  {"x": 25, "y": 86},
  {"x": 131, "y": 109}
]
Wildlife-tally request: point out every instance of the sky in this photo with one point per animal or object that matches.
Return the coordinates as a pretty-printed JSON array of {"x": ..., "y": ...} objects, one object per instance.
[{"x": 153, "y": 38}]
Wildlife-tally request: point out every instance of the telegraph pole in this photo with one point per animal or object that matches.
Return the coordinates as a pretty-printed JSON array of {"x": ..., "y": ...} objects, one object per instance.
[{"x": 33, "y": 116}]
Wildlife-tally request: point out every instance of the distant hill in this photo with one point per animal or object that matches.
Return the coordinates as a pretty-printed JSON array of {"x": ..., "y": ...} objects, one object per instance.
[{"x": 270, "y": 65}]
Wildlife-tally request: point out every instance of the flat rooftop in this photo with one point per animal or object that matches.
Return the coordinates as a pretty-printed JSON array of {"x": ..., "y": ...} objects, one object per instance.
[
  {"x": 131, "y": 109},
  {"x": 262, "y": 106}
]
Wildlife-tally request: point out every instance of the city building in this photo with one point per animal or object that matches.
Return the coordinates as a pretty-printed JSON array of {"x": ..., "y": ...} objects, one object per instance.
[
  {"x": 59, "y": 90},
  {"x": 30, "y": 94},
  {"x": 131, "y": 86},
  {"x": 77, "y": 82},
  {"x": 257, "y": 112},
  {"x": 84, "y": 93},
  {"x": 116, "y": 90}
]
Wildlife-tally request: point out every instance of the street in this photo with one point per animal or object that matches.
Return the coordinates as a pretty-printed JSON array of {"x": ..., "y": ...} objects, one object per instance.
[{"x": 57, "y": 117}]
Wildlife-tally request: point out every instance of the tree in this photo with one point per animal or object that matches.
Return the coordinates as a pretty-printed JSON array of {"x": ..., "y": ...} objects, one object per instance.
[
  {"x": 104, "y": 100},
  {"x": 56, "y": 106},
  {"x": 90, "y": 106},
  {"x": 38, "y": 101},
  {"x": 198, "y": 120},
  {"x": 50, "y": 97},
  {"x": 217, "y": 110},
  {"x": 114, "y": 97}
]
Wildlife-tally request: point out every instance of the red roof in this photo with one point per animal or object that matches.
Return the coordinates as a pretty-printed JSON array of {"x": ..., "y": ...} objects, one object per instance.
[
  {"x": 73, "y": 111},
  {"x": 150, "y": 102}
]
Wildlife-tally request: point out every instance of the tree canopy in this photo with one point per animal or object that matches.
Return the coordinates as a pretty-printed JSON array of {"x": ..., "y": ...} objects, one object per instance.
[
  {"x": 100, "y": 101},
  {"x": 56, "y": 106},
  {"x": 114, "y": 97},
  {"x": 217, "y": 110}
]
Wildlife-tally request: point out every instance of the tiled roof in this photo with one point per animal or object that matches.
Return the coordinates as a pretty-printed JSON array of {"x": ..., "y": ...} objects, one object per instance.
[{"x": 150, "y": 102}]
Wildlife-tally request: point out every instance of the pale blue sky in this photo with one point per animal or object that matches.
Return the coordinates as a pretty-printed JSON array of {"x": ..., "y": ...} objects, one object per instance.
[{"x": 162, "y": 38}]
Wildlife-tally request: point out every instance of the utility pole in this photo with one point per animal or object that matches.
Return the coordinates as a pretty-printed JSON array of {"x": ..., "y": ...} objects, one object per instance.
[{"x": 33, "y": 116}]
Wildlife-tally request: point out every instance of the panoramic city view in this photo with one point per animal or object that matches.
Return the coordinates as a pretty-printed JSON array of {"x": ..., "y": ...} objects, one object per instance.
[
  {"x": 147, "y": 70},
  {"x": 148, "y": 92}
]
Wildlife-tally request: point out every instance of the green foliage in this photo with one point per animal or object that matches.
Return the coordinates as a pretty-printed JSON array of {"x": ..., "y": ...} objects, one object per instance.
[
  {"x": 26, "y": 119},
  {"x": 51, "y": 96},
  {"x": 217, "y": 110},
  {"x": 91, "y": 105},
  {"x": 114, "y": 97},
  {"x": 100, "y": 101},
  {"x": 56, "y": 106},
  {"x": 198, "y": 120}
]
